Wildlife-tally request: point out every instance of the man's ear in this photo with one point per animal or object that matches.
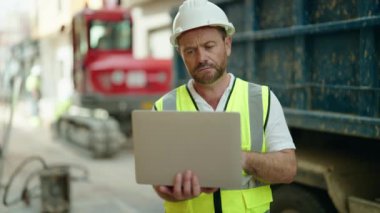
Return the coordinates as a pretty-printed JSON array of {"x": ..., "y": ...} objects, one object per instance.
[{"x": 228, "y": 44}]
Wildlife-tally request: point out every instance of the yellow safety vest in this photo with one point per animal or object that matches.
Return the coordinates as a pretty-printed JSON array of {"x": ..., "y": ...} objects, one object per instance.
[{"x": 252, "y": 102}]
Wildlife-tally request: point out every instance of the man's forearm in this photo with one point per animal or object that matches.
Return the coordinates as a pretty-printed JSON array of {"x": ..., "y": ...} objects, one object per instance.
[{"x": 273, "y": 167}]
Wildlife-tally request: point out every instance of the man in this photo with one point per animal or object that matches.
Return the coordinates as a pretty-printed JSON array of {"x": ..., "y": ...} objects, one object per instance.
[
  {"x": 202, "y": 35},
  {"x": 33, "y": 87}
]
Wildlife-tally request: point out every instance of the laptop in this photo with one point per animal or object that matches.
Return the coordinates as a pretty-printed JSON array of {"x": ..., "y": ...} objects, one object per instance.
[{"x": 208, "y": 143}]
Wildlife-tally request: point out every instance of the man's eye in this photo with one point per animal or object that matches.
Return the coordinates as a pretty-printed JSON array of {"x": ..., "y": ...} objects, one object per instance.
[{"x": 209, "y": 46}]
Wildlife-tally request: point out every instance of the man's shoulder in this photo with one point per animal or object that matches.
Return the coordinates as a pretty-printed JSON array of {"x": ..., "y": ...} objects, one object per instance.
[
  {"x": 172, "y": 92},
  {"x": 183, "y": 86},
  {"x": 257, "y": 85},
  {"x": 251, "y": 83}
]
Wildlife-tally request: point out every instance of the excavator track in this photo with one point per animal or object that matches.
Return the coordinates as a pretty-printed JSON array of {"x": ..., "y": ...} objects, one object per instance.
[{"x": 100, "y": 137}]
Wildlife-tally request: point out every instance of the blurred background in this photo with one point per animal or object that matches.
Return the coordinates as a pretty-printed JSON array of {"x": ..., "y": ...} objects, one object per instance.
[
  {"x": 37, "y": 34},
  {"x": 71, "y": 72},
  {"x": 37, "y": 70}
]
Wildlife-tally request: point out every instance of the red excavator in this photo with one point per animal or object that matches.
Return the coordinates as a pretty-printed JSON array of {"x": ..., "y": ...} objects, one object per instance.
[{"x": 107, "y": 78}]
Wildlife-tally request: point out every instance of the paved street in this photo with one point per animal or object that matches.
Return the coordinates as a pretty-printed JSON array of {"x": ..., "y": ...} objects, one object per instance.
[{"x": 111, "y": 186}]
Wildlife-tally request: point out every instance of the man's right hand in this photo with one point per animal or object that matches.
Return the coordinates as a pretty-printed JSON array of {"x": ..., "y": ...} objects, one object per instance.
[{"x": 185, "y": 186}]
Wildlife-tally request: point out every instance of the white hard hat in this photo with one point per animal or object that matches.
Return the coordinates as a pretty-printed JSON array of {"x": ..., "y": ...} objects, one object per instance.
[{"x": 199, "y": 13}]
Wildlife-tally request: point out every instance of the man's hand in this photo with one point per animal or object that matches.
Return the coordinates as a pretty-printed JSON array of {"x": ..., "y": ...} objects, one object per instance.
[{"x": 185, "y": 186}]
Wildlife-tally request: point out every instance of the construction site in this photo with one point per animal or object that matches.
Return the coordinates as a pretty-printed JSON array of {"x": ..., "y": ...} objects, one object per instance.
[{"x": 72, "y": 72}]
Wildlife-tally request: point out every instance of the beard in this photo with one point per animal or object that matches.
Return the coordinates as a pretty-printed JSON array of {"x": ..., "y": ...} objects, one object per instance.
[{"x": 210, "y": 76}]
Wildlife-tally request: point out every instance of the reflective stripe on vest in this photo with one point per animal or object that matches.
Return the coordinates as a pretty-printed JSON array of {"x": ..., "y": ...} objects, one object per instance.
[{"x": 252, "y": 102}]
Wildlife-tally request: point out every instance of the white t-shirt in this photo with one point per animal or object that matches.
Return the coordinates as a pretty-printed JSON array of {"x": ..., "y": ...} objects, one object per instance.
[{"x": 277, "y": 133}]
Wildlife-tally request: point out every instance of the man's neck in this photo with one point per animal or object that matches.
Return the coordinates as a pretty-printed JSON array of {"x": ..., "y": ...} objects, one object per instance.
[{"x": 212, "y": 93}]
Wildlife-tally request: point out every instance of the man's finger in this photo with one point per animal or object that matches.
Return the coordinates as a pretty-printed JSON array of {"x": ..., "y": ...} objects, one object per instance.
[
  {"x": 177, "y": 191},
  {"x": 196, "y": 188},
  {"x": 187, "y": 184},
  {"x": 165, "y": 190}
]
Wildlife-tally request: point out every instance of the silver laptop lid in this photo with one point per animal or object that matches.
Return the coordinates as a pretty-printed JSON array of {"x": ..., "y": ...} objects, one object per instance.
[{"x": 207, "y": 143}]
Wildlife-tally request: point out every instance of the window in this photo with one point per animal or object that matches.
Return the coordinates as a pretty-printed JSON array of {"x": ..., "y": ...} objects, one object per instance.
[{"x": 110, "y": 35}]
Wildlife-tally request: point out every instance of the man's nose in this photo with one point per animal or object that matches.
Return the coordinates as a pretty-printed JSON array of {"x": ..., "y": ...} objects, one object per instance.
[{"x": 202, "y": 55}]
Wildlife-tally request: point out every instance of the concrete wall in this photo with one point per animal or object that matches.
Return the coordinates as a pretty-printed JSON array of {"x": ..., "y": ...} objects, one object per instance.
[
  {"x": 152, "y": 28},
  {"x": 56, "y": 72},
  {"x": 52, "y": 30}
]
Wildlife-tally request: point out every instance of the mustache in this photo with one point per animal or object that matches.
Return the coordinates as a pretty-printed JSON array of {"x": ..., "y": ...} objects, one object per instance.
[{"x": 204, "y": 65}]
